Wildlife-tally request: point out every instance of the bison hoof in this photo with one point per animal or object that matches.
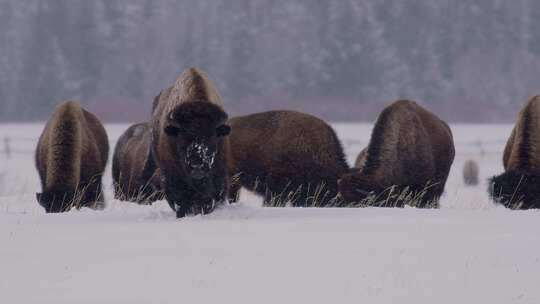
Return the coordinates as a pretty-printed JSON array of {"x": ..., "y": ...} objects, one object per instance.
[
  {"x": 180, "y": 212},
  {"x": 208, "y": 208}
]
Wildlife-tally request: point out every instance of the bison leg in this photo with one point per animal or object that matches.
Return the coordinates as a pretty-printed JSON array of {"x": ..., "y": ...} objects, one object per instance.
[
  {"x": 432, "y": 197},
  {"x": 206, "y": 205},
  {"x": 181, "y": 211},
  {"x": 92, "y": 196},
  {"x": 234, "y": 192},
  {"x": 270, "y": 199},
  {"x": 178, "y": 196},
  {"x": 118, "y": 191},
  {"x": 177, "y": 202}
]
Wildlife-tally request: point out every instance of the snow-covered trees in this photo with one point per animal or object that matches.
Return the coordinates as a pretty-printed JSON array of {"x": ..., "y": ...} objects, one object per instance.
[{"x": 267, "y": 54}]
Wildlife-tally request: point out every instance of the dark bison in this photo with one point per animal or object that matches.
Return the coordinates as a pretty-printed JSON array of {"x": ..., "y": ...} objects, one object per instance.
[
  {"x": 470, "y": 173},
  {"x": 286, "y": 156},
  {"x": 408, "y": 159},
  {"x": 70, "y": 157},
  {"x": 518, "y": 187},
  {"x": 190, "y": 144},
  {"x": 135, "y": 175}
]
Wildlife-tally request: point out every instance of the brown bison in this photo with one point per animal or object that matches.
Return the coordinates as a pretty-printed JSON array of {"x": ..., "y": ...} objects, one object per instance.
[
  {"x": 470, "y": 173},
  {"x": 518, "y": 187},
  {"x": 190, "y": 144},
  {"x": 70, "y": 157},
  {"x": 135, "y": 175},
  {"x": 408, "y": 159},
  {"x": 286, "y": 156}
]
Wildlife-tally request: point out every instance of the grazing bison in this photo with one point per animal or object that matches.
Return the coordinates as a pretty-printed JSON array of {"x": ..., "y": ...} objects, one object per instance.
[
  {"x": 408, "y": 159},
  {"x": 286, "y": 156},
  {"x": 470, "y": 173},
  {"x": 70, "y": 157},
  {"x": 519, "y": 186},
  {"x": 190, "y": 144},
  {"x": 135, "y": 175}
]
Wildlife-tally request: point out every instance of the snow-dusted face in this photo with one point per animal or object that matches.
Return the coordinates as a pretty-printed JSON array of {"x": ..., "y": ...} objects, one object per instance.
[
  {"x": 196, "y": 143},
  {"x": 199, "y": 157}
]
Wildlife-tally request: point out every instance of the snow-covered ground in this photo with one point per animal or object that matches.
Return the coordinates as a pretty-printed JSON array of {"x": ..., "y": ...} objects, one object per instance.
[{"x": 469, "y": 251}]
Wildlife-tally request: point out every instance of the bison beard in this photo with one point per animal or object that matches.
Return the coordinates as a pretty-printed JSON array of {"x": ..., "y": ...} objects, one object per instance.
[
  {"x": 193, "y": 196},
  {"x": 194, "y": 175}
]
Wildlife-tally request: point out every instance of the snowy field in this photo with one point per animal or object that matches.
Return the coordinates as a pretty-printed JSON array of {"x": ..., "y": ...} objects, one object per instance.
[{"x": 469, "y": 251}]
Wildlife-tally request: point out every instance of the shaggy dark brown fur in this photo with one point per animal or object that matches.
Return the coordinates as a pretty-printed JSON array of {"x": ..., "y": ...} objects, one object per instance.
[
  {"x": 135, "y": 174},
  {"x": 361, "y": 159},
  {"x": 470, "y": 173},
  {"x": 410, "y": 149},
  {"x": 190, "y": 144},
  {"x": 70, "y": 157},
  {"x": 286, "y": 156},
  {"x": 519, "y": 186}
]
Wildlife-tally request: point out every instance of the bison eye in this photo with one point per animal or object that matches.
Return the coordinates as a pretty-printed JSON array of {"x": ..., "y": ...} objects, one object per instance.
[
  {"x": 172, "y": 131},
  {"x": 223, "y": 130}
]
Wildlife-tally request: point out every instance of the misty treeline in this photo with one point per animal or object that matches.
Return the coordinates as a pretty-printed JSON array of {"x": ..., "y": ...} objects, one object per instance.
[{"x": 342, "y": 60}]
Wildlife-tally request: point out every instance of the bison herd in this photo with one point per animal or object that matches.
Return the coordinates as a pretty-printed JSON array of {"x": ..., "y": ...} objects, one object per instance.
[{"x": 196, "y": 157}]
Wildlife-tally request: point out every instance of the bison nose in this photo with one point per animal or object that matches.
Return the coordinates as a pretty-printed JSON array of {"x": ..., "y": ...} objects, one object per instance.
[{"x": 196, "y": 161}]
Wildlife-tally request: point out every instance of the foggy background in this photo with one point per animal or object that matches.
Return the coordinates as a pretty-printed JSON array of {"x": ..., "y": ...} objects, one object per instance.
[{"x": 468, "y": 61}]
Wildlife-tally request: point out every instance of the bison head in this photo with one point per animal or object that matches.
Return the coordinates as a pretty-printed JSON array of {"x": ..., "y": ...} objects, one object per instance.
[
  {"x": 516, "y": 190},
  {"x": 195, "y": 131},
  {"x": 56, "y": 201},
  {"x": 355, "y": 187}
]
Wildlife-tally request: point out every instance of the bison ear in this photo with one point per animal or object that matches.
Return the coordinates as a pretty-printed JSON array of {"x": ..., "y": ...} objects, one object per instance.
[
  {"x": 172, "y": 131},
  {"x": 223, "y": 130},
  {"x": 38, "y": 197}
]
